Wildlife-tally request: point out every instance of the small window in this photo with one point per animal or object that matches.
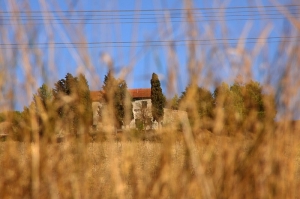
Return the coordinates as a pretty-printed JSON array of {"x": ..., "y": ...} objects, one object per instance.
[{"x": 144, "y": 104}]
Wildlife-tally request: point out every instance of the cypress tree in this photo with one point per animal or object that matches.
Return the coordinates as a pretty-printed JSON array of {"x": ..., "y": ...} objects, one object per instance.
[
  {"x": 64, "y": 87},
  {"x": 158, "y": 99},
  {"x": 44, "y": 97},
  {"x": 115, "y": 92},
  {"x": 42, "y": 102},
  {"x": 84, "y": 101},
  {"x": 79, "y": 110}
]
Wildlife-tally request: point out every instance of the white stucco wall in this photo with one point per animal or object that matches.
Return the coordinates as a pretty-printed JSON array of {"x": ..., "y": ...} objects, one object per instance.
[
  {"x": 136, "y": 106},
  {"x": 95, "y": 107},
  {"x": 170, "y": 116}
]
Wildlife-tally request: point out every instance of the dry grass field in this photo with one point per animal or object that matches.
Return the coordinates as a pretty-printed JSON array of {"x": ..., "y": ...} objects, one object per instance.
[{"x": 215, "y": 167}]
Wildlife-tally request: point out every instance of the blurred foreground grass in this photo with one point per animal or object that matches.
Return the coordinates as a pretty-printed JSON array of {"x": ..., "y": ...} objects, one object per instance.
[{"x": 227, "y": 167}]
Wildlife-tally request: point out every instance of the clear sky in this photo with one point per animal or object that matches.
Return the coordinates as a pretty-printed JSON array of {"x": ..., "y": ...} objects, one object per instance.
[{"x": 139, "y": 34}]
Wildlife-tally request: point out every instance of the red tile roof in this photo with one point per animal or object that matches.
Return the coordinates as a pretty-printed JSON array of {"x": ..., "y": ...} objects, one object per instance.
[
  {"x": 140, "y": 93},
  {"x": 144, "y": 93},
  {"x": 96, "y": 96}
]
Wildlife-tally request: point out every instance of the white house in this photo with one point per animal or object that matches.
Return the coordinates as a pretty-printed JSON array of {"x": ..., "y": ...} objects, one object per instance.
[
  {"x": 141, "y": 106},
  {"x": 141, "y": 100}
]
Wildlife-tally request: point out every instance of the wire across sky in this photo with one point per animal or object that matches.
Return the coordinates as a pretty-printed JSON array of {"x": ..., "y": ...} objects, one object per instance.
[
  {"x": 147, "y": 16},
  {"x": 149, "y": 43},
  {"x": 88, "y": 17}
]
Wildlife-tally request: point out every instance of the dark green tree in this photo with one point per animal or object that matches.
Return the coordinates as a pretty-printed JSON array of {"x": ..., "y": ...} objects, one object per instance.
[
  {"x": 66, "y": 109},
  {"x": 65, "y": 86},
  {"x": 117, "y": 95},
  {"x": 84, "y": 100},
  {"x": 158, "y": 99},
  {"x": 60, "y": 90},
  {"x": 78, "y": 109},
  {"x": 43, "y": 98},
  {"x": 42, "y": 102},
  {"x": 109, "y": 82}
]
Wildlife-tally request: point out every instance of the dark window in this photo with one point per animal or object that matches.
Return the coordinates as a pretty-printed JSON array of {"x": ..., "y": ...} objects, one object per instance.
[{"x": 144, "y": 104}]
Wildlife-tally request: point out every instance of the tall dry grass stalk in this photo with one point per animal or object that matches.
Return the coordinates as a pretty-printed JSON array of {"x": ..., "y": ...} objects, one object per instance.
[{"x": 184, "y": 162}]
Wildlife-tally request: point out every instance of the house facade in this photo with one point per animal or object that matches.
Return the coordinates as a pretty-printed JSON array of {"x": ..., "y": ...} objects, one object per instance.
[
  {"x": 141, "y": 103},
  {"x": 141, "y": 109},
  {"x": 97, "y": 104}
]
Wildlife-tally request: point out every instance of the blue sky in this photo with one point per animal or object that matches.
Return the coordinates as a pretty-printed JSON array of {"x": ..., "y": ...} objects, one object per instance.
[{"x": 98, "y": 27}]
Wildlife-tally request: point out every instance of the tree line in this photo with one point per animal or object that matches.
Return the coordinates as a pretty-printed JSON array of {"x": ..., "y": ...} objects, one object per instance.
[
  {"x": 230, "y": 109},
  {"x": 67, "y": 107}
]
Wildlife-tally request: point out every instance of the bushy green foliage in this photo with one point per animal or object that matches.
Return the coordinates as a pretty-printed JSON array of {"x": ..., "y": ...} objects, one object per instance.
[
  {"x": 245, "y": 106},
  {"x": 16, "y": 125},
  {"x": 203, "y": 99},
  {"x": 174, "y": 103},
  {"x": 199, "y": 104},
  {"x": 254, "y": 102},
  {"x": 158, "y": 99},
  {"x": 61, "y": 109},
  {"x": 12, "y": 124}
]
